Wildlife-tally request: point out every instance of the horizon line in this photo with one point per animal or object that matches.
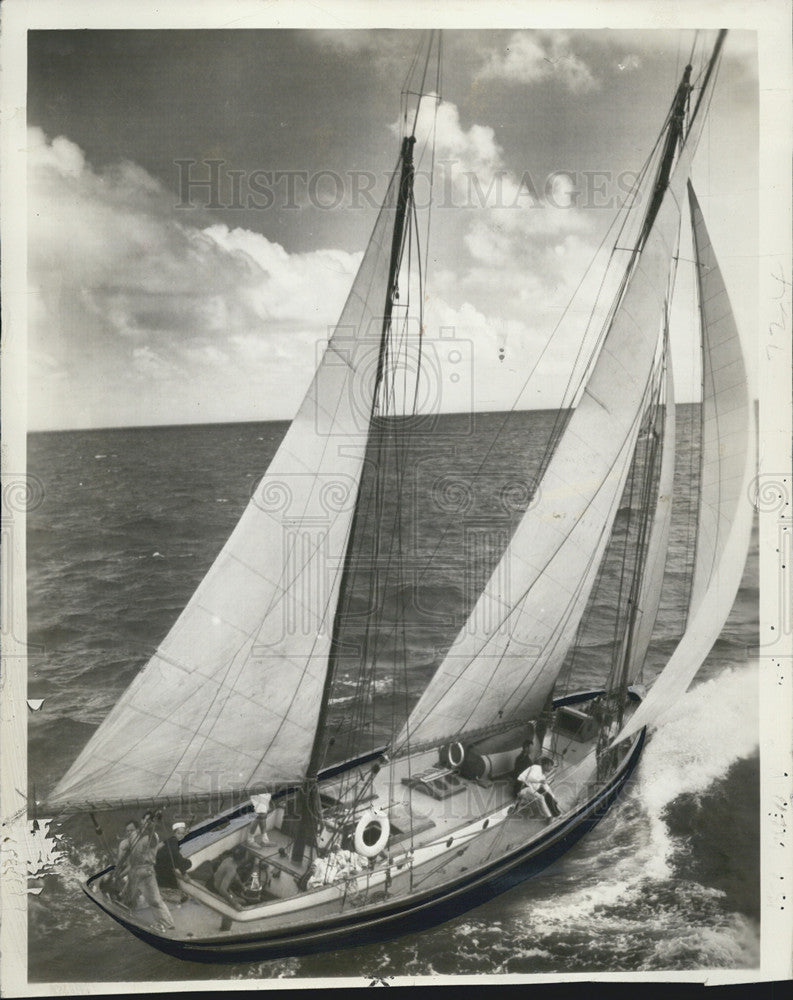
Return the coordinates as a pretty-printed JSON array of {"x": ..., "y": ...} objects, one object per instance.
[{"x": 287, "y": 420}]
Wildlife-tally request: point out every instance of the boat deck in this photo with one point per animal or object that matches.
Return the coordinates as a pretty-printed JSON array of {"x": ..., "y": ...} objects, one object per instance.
[{"x": 441, "y": 826}]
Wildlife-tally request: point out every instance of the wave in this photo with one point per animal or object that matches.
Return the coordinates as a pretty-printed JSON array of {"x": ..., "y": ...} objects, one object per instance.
[{"x": 715, "y": 725}]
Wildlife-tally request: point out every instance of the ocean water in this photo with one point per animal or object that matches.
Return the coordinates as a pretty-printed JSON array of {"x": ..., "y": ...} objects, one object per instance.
[{"x": 128, "y": 521}]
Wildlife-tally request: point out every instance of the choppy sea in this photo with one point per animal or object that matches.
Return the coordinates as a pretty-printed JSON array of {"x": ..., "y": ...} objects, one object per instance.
[{"x": 123, "y": 526}]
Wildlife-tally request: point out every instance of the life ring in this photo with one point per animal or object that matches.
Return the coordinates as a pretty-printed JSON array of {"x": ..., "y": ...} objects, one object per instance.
[
  {"x": 371, "y": 834},
  {"x": 455, "y": 754}
]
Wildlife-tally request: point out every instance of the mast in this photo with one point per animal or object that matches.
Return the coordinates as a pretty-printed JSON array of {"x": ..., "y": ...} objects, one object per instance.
[
  {"x": 310, "y": 804},
  {"x": 677, "y": 133},
  {"x": 709, "y": 71},
  {"x": 674, "y": 136}
]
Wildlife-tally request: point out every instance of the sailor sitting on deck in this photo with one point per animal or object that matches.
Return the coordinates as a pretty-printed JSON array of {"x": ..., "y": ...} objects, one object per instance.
[
  {"x": 535, "y": 788},
  {"x": 523, "y": 761},
  {"x": 229, "y": 877}
]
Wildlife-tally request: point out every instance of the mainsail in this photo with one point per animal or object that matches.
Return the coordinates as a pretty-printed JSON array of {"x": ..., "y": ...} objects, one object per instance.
[
  {"x": 232, "y": 695},
  {"x": 727, "y": 466},
  {"x": 494, "y": 675}
]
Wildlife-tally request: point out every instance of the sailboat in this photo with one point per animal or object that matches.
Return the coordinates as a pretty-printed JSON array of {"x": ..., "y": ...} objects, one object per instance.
[{"x": 344, "y": 828}]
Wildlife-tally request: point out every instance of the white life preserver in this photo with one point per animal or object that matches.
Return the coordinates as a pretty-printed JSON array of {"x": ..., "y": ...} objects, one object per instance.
[
  {"x": 371, "y": 833},
  {"x": 455, "y": 754}
]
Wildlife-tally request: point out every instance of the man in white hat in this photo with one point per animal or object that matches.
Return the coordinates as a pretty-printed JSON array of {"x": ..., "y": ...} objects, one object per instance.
[
  {"x": 535, "y": 788},
  {"x": 170, "y": 859}
]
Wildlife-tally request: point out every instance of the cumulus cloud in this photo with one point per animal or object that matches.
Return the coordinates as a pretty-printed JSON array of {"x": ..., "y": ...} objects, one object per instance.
[
  {"x": 533, "y": 57},
  {"x": 514, "y": 265},
  {"x": 527, "y": 243},
  {"x": 139, "y": 314},
  {"x": 127, "y": 292}
]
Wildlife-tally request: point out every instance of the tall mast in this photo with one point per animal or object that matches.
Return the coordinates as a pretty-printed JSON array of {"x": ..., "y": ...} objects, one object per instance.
[
  {"x": 310, "y": 805},
  {"x": 709, "y": 71},
  {"x": 675, "y": 136}
]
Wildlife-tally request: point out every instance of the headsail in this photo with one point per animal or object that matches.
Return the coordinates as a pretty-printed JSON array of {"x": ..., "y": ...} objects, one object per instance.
[
  {"x": 727, "y": 466},
  {"x": 655, "y": 561},
  {"x": 231, "y": 697}
]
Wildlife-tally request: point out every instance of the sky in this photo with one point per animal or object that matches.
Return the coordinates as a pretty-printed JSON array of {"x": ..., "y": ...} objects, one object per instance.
[{"x": 154, "y": 301}]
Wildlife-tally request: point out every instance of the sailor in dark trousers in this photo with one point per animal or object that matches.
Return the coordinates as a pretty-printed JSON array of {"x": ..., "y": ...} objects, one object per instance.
[
  {"x": 170, "y": 860},
  {"x": 522, "y": 761}
]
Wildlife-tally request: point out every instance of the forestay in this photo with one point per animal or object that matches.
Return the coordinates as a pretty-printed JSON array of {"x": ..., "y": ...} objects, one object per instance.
[
  {"x": 231, "y": 697},
  {"x": 727, "y": 467}
]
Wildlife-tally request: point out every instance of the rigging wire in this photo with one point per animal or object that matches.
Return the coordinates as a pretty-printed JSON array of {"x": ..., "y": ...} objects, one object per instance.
[
  {"x": 627, "y": 270},
  {"x": 423, "y": 82},
  {"x": 396, "y": 345},
  {"x": 624, "y": 209},
  {"x": 558, "y": 428},
  {"x": 461, "y": 671}
]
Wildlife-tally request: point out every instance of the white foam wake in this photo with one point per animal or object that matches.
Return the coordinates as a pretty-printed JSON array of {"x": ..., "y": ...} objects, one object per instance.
[{"x": 716, "y": 725}]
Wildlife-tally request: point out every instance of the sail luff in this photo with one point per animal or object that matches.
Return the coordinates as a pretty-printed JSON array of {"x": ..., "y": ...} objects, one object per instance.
[{"x": 728, "y": 464}]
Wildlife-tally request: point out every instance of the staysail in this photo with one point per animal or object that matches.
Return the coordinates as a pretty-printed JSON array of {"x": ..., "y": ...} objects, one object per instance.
[
  {"x": 655, "y": 562},
  {"x": 496, "y": 674},
  {"x": 232, "y": 695},
  {"x": 727, "y": 466}
]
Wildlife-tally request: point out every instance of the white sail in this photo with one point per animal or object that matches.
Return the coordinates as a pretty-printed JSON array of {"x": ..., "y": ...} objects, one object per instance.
[
  {"x": 655, "y": 562},
  {"x": 727, "y": 467},
  {"x": 231, "y": 697},
  {"x": 493, "y": 675},
  {"x": 725, "y": 428}
]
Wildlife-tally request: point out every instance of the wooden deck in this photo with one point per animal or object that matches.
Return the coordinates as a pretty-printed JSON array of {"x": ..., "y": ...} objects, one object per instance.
[{"x": 434, "y": 841}]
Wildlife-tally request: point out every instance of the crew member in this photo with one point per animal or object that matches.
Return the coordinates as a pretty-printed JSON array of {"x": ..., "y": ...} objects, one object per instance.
[
  {"x": 170, "y": 859},
  {"x": 536, "y": 789},
  {"x": 523, "y": 761},
  {"x": 228, "y": 878},
  {"x": 257, "y": 831},
  {"x": 141, "y": 874}
]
